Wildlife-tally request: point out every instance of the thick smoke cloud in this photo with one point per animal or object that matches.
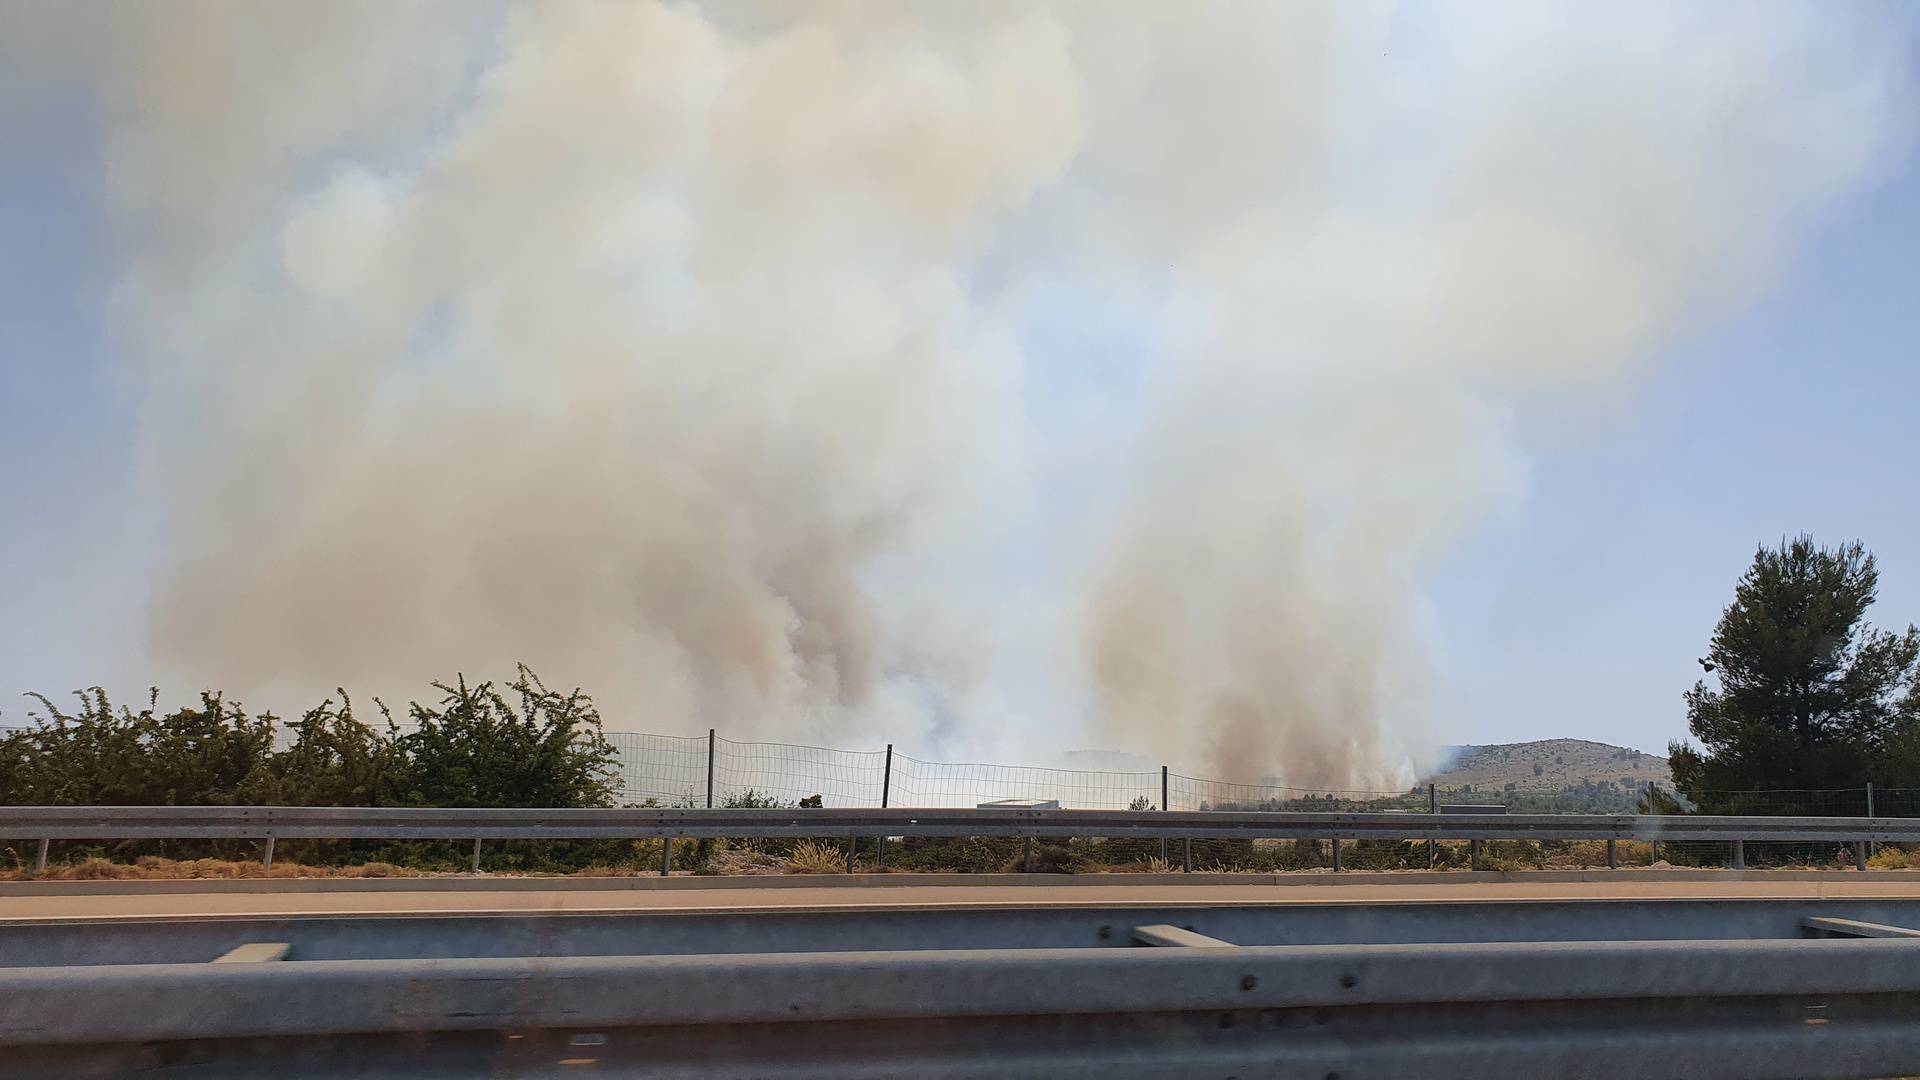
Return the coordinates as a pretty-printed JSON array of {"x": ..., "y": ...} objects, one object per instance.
[
  {"x": 642, "y": 341},
  {"x": 1582, "y": 197}
]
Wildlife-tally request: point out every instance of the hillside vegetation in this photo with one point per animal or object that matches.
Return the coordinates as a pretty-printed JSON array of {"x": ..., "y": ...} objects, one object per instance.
[{"x": 1551, "y": 766}]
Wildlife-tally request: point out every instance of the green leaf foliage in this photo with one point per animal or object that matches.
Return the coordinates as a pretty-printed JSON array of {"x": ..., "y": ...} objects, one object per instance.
[{"x": 475, "y": 747}]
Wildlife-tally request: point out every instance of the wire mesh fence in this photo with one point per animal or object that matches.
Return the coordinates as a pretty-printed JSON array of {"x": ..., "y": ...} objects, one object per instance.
[
  {"x": 957, "y": 784},
  {"x": 1194, "y": 793},
  {"x": 1865, "y": 801},
  {"x": 762, "y": 773},
  {"x": 670, "y": 770},
  {"x": 682, "y": 770}
]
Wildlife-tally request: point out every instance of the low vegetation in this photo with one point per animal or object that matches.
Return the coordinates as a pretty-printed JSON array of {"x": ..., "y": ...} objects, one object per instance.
[
  {"x": 1808, "y": 704},
  {"x": 478, "y": 745}
]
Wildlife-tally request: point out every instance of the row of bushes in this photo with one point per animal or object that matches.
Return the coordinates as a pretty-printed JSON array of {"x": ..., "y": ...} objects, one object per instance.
[{"x": 476, "y": 746}]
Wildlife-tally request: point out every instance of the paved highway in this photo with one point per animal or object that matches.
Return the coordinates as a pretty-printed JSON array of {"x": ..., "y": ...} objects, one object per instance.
[
  {"x": 1679, "y": 973},
  {"x": 134, "y": 903}
]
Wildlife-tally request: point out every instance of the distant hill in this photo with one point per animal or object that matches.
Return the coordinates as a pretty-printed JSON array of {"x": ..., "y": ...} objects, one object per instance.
[
  {"x": 1547, "y": 776},
  {"x": 1550, "y": 766}
]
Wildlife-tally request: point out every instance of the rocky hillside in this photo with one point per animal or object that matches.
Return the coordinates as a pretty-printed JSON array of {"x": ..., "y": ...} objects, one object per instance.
[{"x": 1550, "y": 765}]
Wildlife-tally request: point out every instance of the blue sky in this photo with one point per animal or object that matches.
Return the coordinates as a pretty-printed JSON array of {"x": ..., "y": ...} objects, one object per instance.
[
  {"x": 1582, "y": 614},
  {"x": 1576, "y": 611}
]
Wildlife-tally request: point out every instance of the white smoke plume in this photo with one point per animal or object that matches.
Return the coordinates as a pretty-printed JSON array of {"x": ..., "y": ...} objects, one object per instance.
[
  {"x": 1584, "y": 193},
  {"x": 640, "y": 341}
]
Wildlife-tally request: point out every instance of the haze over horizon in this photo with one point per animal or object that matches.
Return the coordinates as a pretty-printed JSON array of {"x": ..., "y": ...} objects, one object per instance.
[{"x": 1281, "y": 390}]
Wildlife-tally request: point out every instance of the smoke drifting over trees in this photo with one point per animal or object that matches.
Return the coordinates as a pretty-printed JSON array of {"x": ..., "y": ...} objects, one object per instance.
[{"x": 656, "y": 344}]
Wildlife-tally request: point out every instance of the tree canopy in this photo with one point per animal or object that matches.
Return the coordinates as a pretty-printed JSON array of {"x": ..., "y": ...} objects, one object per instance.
[{"x": 1809, "y": 694}]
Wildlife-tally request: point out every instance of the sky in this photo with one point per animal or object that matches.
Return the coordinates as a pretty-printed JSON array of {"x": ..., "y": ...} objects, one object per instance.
[
  {"x": 1349, "y": 382},
  {"x": 1583, "y": 612}
]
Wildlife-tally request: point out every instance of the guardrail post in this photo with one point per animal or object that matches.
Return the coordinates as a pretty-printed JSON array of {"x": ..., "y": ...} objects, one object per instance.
[
  {"x": 1473, "y": 854},
  {"x": 710, "y": 741},
  {"x": 1871, "y": 846},
  {"x": 1613, "y": 854},
  {"x": 853, "y": 850},
  {"x": 1026, "y": 854},
  {"x": 1739, "y": 854},
  {"x": 1433, "y": 807},
  {"x": 1164, "y": 807},
  {"x": 666, "y": 856},
  {"x": 40, "y": 860},
  {"x": 266, "y": 857},
  {"x": 476, "y": 854},
  {"x": 1860, "y": 855},
  {"x": 1186, "y": 855},
  {"x": 1336, "y": 854}
]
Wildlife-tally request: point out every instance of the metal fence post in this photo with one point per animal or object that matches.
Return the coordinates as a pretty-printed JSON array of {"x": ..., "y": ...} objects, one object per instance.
[
  {"x": 1473, "y": 854},
  {"x": 1652, "y": 810},
  {"x": 40, "y": 860},
  {"x": 666, "y": 855},
  {"x": 1739, "y": 854},
  {"x": 1026, "y": 854},
  {"x": 1336, "y": 854},
  {"x": 1186, "y": 855},
  {"x": 1613, "y": 855},
  {"x": 1433, "y": 807},
  {"x": 476, "y": 854},
  {"x": 710, "y": 741},
  {"x": 1860, "y": 855},
  {"x": 886, "y": 778},
  {"x": 853, "y": 850},
  {"x": 1164, "y": 807},
  {"x": 886, "y": 791},
  {"x": 266, "y": 858}
]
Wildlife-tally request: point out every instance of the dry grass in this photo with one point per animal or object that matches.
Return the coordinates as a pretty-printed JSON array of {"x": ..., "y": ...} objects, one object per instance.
[
  {"x": 1581, "y": 854},
  {"x": 1891, "y": 858},
  {"x": 728, "y": 858},
  {"x": 151, "y": 868},
  {"x": 811, "y": 858}
]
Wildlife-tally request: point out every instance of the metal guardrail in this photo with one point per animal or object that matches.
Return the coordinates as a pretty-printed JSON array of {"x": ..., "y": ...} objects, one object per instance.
[
  {"x": 388, "y": 823},
  {"x": 1672, "y": 1008}
]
